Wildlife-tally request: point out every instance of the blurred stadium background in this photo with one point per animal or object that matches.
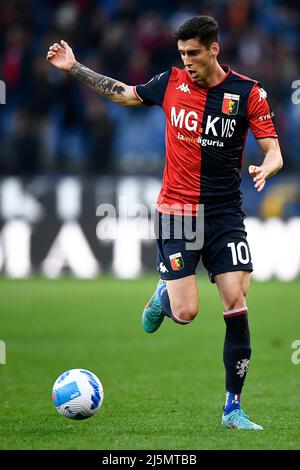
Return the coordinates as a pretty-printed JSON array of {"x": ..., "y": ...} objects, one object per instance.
[{"x": 65, "y": 151}]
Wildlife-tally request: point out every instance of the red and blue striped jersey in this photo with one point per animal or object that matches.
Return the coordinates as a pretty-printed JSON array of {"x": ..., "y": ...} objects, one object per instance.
[{"x": 206, "y": 131}]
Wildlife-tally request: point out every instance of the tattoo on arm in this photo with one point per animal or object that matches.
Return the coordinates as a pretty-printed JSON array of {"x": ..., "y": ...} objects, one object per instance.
[{"x": 105, "y": 86}]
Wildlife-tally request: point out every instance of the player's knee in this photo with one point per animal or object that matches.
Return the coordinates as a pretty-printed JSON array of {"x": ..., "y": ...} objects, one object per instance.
[
  {"x": 235, "y": 300},
  {"x": 186, "y": 312}
]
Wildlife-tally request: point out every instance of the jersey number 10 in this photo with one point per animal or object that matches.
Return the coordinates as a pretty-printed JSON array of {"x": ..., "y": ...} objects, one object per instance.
[{"x": 239, "y": 252}]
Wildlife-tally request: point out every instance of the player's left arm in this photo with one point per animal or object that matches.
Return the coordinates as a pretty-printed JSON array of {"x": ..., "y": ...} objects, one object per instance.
[
  {"x": 260, "y": 118},
  {"x": 272, "y": 162}
]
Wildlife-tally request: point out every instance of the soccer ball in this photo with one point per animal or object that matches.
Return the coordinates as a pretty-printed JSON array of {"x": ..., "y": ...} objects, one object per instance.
[{"x": 77, "y": 394}]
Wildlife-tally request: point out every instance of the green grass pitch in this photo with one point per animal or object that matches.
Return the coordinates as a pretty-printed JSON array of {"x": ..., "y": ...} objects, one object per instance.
[{"x": 162, "y": 391}]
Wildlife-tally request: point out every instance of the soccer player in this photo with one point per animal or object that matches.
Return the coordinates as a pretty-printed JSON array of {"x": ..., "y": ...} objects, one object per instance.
[{"x": 208, "y": 108}]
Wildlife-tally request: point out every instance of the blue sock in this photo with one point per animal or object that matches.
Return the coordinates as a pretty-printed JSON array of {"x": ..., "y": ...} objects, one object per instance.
[
  {"x": 165, "y": 302},
  {"x": 164, "y": 299},
  {"x": 232, "y": 402}
]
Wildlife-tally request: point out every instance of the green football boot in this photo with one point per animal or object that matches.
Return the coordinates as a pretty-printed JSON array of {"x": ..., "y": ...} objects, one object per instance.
[
  {"x": 237, "y": 419},
  {"x": 153, "y": 314}
]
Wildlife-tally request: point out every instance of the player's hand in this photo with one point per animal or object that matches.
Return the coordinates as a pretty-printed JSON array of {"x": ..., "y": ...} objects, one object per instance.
[
  {"x": 259, "y": 176},
  {"x": 61, "y": 56}
]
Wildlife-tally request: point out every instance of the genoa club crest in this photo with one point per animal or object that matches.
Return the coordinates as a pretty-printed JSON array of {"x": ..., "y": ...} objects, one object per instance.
[
  {"x": 230, "y": 104},
  {"x": 176, "y": 261}
]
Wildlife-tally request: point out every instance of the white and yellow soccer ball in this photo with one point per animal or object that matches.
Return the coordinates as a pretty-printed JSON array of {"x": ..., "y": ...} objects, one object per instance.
[{"x": 77, "y": 394}]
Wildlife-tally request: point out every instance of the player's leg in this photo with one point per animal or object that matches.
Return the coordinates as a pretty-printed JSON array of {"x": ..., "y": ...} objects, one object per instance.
[
  {"x": 228, "y": 260},
  {"x": 180, "y": 300},
  {"x": 176, "y": 299},
  {"x": 176, "y": 295},
  {"x": 233, "y": 288}
]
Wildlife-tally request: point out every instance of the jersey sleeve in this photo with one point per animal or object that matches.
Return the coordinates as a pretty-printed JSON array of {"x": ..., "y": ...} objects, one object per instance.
[
  {"x": 260, "y": 116},
  {"x": 154, "y": 91}
]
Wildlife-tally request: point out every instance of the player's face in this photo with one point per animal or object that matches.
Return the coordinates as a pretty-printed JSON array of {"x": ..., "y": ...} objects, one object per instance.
[{"x": 197, "y": 59}]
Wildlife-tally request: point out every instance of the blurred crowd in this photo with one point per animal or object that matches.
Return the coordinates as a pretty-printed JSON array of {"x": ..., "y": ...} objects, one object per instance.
[{"x": 53, "y": 124}]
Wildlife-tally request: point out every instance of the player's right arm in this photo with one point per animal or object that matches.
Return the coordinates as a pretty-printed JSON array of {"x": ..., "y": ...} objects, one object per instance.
[{"x": 62, "y": 57}]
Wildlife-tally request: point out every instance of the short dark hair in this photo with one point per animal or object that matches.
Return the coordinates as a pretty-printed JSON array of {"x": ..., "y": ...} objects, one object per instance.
[{"x": 205, "y": 28}]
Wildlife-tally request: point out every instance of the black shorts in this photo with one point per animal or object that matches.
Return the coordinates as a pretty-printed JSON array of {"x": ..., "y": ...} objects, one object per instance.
[{"x": 221, "y": 242}]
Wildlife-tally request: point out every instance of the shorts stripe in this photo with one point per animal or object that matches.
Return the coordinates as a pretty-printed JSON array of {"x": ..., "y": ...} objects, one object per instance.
[{"x": 235, "y": 312}]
